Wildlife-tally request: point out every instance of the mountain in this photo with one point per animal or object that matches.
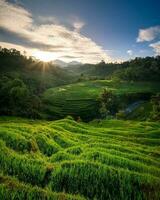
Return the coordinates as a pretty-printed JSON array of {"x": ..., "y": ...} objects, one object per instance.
[
  {"x": 74, "y": 63},
  {"x": 61, "y": 63}
]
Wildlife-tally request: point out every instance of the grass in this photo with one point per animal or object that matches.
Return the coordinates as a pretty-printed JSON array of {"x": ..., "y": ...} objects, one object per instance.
[
  {"x": 11, "y": 188},
  {"x": 81, "y": 99},
  {"x": 63, "y": 159}
]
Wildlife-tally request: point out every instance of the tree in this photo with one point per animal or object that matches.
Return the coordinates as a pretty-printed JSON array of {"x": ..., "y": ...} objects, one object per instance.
[
  {"x": 108, "y": 103},
  {"x": 16, "y": 99},
  {"x": 103, "y": 111}
]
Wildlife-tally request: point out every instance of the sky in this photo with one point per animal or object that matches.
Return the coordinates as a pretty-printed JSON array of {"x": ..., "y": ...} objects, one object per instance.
[{"x": 86, "y": 31}]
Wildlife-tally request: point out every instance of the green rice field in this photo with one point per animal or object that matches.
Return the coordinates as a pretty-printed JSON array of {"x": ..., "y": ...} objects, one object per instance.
[{"x": 64, "y": 159}]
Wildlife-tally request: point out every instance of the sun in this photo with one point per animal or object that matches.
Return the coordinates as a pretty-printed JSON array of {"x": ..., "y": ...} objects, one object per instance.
[{"x": 43, "y": 56}]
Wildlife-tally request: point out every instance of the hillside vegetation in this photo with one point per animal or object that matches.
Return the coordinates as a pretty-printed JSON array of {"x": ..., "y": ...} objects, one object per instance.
[
  {"x": 23, "y": 80},
  {"x": 138, "y": 69},
  {"x": 34, "y": 89},
  {"x": 81, "y": 99},
  {"x": 109, "y": 159},
  {"x": 36, "y": 74}
]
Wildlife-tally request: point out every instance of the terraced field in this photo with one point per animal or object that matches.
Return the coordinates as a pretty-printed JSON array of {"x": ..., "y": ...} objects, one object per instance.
[
  {"x": 81, "y": 99},
  {"x": 110, "y": 159}
]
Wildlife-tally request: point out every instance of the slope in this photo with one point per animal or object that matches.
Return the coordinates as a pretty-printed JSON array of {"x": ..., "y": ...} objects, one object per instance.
[
  {"x": 110, "y": 159},
  {"x": 81, "y": 99}
]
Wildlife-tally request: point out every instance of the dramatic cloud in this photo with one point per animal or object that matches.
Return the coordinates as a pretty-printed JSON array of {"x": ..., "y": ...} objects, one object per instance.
[
  {"x": 148, "y": 34},
  {"x": 156, "y": 47},
  {"x": 14, "y": 18},
  {"x": 49, "y": 36},
  {"x": 130, "y": 52}
]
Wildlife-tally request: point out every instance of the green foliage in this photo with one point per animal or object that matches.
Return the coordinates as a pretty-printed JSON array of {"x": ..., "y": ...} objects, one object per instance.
[
  {"x": 142, "y": 112},
  {"x": 120, "y": 115},
  {"x": 75, "y": 150},
  {"x": 104, "y": 159},
  {"x": 67, "y": 159},
  {"x": 25, "y": 83},
  {"x": 25, "y": 169},
  {"x": 46, "y": 145},
  {"x": 11, "y": 189},
  {"x": 155, "y": 101},
  {"x": 37, "y": 75},
  {"x": 16, "y": 99},
  {"x": 15, "y": 141},
  {"x": 81, "y": 99},
  {"x": 109, "y": 103},
  {"x": 116, "y": 184},
  {"x": 22, "y": 81},
  {"x": 139, "y": 69}
]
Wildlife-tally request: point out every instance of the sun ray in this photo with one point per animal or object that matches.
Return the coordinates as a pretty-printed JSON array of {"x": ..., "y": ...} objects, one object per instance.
[{"x": 44, "y": 56}]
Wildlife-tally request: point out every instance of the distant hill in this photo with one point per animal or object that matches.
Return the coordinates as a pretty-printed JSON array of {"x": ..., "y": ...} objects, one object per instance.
[
  {"x": 138, "y": 69},
  {"x": 61, "y": 63},
  {"x": 73, "y": 63},
  {"x": 59, "y": 72},
  {"x": 32, "y": 72},
  {"x": 93, "y": 70}
]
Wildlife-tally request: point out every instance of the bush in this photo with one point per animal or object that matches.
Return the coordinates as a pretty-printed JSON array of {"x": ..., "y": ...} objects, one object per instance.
[{"x": 120, "y": 115}]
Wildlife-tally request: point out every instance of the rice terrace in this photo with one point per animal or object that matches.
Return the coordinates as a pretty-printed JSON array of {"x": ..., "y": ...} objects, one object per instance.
[
  {"x": 79, "y": 100},
  {"x": 112, "y": 158}
]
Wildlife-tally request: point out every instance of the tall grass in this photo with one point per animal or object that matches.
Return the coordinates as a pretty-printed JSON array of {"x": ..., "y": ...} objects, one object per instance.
[
  {"x": 11, "y": 189},
  {"x": 110, "y": 159},
  {"x": 97, "y": 181}
]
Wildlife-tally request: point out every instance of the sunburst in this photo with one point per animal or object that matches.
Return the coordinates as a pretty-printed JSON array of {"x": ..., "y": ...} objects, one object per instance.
[{"x": 44, "y": 56}]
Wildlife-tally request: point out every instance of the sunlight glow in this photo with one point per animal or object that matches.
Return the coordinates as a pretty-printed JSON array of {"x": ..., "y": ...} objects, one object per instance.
[{"x": 43, "y": 56}]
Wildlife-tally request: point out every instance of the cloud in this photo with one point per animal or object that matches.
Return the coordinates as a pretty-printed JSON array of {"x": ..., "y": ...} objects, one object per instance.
[
  {"x": 47, "y": 20},
  {"x": 148, "y": 34},
  {"x": 8, "y": 36},
  {"x": 156, "y": 47},
  {"x": 130, "y": 52},
  {"x": 78, "y": 25},
  {"x": 15, "y": 46},
  {"x": 14, "y": 18},
  {"x": 49, "y": 36}
]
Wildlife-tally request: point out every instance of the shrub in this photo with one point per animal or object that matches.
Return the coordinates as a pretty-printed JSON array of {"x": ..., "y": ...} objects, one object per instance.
[{"x": 108, "y": 102}]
